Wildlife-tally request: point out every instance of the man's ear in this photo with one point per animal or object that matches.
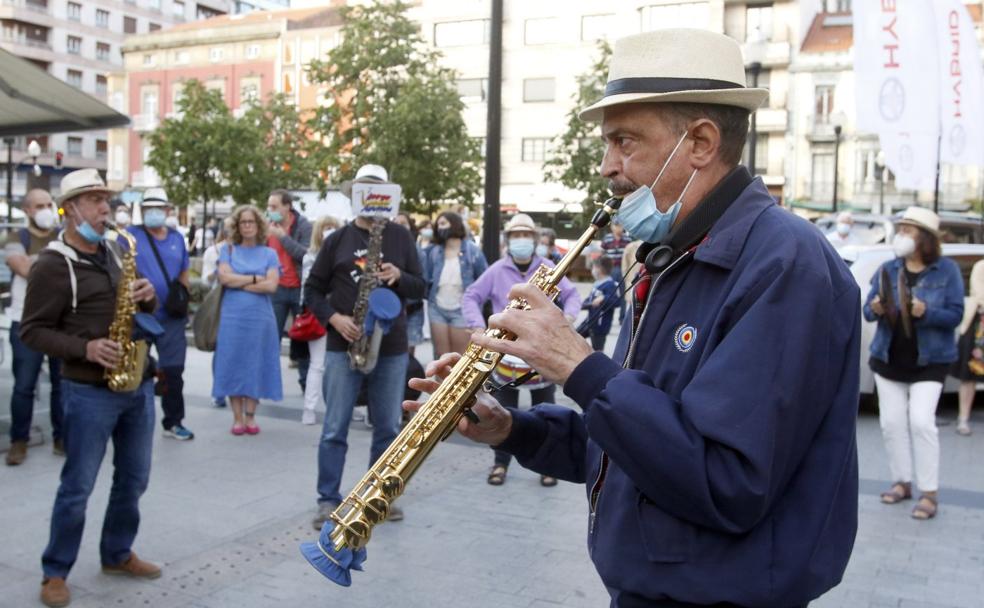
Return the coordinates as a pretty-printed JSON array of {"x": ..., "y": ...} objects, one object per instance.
[{"x": 707, "y": 142}]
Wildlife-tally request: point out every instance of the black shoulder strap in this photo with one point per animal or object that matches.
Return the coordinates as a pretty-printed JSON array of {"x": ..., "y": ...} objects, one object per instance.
[
  {"x": 157, "y": 254},
  {"x": 25, "y": 239}
]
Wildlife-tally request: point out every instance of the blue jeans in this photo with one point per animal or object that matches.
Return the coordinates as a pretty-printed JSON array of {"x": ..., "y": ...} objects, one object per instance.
[
  {"x": 287, "y": 301},
  {"x": 172, "y": 348},
  {"x": 93, "y": 416},
  {"x": 341, "y": 387},
  {"x": 26, "y": 366}
]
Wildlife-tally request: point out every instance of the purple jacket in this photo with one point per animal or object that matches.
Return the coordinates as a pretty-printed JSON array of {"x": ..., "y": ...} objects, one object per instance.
[{"x": 494, "y": 285}]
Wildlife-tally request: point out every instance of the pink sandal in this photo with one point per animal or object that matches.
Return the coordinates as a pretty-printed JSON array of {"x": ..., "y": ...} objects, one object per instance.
[
  {"x": 252, "y": 429},
  {"x": 238, "y": 429}
]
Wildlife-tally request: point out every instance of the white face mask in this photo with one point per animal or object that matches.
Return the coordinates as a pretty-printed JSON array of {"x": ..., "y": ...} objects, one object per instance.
[
  {"x": 843, "y": 228},
  {"x": 122, "y": 218},
  {"x": 903, "y": 245},
  {"x": 327, "y": 233},
  {"x": 45, "y": 219}
]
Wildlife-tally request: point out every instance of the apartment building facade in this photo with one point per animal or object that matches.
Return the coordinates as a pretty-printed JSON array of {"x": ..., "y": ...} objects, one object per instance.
[{"x": 80, "y": 41}]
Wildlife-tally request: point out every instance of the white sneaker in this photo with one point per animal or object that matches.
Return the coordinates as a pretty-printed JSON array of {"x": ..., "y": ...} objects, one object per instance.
[{"x": 308, "y": 417}]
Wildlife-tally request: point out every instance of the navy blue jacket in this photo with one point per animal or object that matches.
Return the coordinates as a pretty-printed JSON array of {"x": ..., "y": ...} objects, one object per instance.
[
  {"x": 941, "y": 288},
  {"x": 601, "y": 323},
  {"x": 720, "y": 462}
]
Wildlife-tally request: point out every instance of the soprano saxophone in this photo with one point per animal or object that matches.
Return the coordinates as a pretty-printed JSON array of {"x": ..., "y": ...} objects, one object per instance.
[
  {"x": 128, "y": 373},
  {"x": 369, "y": 502}
]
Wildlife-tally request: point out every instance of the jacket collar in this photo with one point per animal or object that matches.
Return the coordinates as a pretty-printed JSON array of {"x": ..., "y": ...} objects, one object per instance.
[{"x": 727, "y": 237}]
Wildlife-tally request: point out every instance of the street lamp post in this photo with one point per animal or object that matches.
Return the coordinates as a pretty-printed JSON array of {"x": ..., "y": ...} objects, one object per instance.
[
  {"x": 837, "y": 141},
  {"x": 880, "y": 174}
]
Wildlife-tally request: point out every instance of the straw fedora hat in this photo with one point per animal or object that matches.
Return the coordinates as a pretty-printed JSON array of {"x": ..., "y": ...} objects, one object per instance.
[
  {"x": 155, "y": 197},
  {"x": 920, "y": 217},
  {"x": 80, "y": 182},
  {"x": 520, "y": 223},
  {"x": 676, "y": 65}
]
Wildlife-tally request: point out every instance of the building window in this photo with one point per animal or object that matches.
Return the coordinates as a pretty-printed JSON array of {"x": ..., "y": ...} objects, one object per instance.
[
  {"x": 178, "y": 9},
  {"x": 181, "y": 57},
  {"x": 129, "y": 25},
  {"x": 683, "y": 14},
  {"x": 74, "y": 78},
  {"x": 148, "y": 60},
  {"x": 74, "y": 11},
  {"x": 102, "y": 85},
  {"x": 102, "y": 51},
  {"x": 153, "y": 27},
  {"x": 249, "y": 91},
  {"x": 764, "y": 78},
  {"x": 837, "y": 6},
  {"x": 252, "y": 51},
  {"x": 217, "y": 84},
  {"x": 758, "y": 22},
  {"x": 204, "y": 12},
  {"x": 215, "y": 54},
  {"x": 101, "y": 149},
  {"x": 539, "y": 89},
  {"x": 823, "y": 104},
  {"x": 472, "y": 89},
  {"x": 462, "y": 33},
  {"x": 761, "y": 153},
  {"x": 822, "y": 178},
  {"x": 102, "y": 18},
  {"x": 535, "y": 149},
  {"x": 154, "y": 4},
  {"x": 542, "y": 31},
  {"x": 75, "y": 146},
  {"x": 74, "y": 45},
  {"x": 597, "y": 27},
  {"x": 148, "y": 101}
]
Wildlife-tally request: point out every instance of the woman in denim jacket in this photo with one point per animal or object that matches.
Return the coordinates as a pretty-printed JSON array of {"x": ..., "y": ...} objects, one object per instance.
[
  {"x": 911, "y": 352},
  {"x": 446, "y": 282}
]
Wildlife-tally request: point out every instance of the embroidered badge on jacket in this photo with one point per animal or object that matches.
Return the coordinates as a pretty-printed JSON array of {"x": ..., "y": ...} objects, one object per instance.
[{"x": 684, "y": 336}]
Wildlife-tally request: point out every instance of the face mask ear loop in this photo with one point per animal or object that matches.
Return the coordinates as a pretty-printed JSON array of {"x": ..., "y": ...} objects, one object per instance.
[
  {"x": 687, "y": 187},
  {"x": 668, "y": 159}
]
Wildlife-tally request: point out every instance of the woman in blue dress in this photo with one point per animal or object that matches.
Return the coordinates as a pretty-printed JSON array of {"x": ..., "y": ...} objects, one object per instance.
[{"x": 247, "y": 361}]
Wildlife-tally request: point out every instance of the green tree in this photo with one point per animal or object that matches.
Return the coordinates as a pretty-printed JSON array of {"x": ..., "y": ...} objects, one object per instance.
[
  {"x": 395, "y": 106},
  {"x": 193, "y": 152},
  {"x": 577, "y": 153},
  {"x": 284, "y": 156}
]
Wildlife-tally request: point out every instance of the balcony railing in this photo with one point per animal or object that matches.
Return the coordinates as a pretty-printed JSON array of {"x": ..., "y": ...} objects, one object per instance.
[
  {"x": 145, "y": 122},
  {"x": 37, "y": 7},
  {"x": 24, "y": 40}
]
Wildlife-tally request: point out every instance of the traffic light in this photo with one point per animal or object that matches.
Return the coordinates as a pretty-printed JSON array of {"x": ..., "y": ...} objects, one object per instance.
[{"x": 58, "y": 159}]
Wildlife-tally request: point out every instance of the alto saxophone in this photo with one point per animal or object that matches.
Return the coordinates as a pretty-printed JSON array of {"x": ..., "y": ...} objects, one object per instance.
[
  {"x": 364, "y": 352},
  {"x": 128, "y": 373},
  {"x": 343, "y": 538}
]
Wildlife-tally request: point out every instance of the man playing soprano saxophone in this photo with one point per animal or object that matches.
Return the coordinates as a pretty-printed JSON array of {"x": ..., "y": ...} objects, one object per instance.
[
  {"x": 68, "y": 309},
  {"x": 717, "y": 445}
]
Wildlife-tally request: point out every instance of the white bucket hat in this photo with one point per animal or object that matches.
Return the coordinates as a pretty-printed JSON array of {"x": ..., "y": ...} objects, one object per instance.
[
  {"x": 155, "y": 197},
  {"x": 920, "y": 217},
  {"x": 676, "y": 65},
  {"x": 520, "y": 223},
  {"x": 80, "y": 182}
]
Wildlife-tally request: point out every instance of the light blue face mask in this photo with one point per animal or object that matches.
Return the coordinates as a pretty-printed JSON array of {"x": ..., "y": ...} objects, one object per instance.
[
  {"x": 154, "y": 218},
  {"x": 275, "y": 216},
  {"x": 639, "y": 213},
  {"x": 521, "y": 248},
  {"x": 87, "y": 232}
]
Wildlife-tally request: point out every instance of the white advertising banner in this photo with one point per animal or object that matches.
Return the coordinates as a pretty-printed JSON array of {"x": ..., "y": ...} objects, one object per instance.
[
  {"x": 896, "y": 64},
  {"x": 961, "y": 87}
]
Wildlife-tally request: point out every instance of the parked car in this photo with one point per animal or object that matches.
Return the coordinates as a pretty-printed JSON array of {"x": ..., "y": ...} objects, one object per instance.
[
  {"x": 871, "y": 229},
  {"x": 865, "y": 261}
]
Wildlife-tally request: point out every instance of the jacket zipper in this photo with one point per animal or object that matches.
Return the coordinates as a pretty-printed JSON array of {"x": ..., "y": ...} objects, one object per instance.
[{"x": 629, "y": 356}]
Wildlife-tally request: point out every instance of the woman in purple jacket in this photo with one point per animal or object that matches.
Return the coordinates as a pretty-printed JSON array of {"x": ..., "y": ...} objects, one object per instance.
[{"x": 493, "y": 286}]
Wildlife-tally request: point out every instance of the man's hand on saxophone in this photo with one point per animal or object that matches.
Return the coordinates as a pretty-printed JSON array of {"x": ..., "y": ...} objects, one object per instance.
[
  {"x": 545, "y": 338},
  {"x": 103, "y": 351},
  {"x": 345, "y": 325},
  {"x": 143, "y": 291}
]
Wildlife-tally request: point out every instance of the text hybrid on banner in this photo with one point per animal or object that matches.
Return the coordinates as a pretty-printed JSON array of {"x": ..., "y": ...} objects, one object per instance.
[{"x": 961, "y": 85}]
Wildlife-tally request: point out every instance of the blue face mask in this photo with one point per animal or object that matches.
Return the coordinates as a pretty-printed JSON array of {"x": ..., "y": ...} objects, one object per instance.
[
  {"x": 154, "y": 218},
  {"x": 87, "y": 232},
  {"x": 521, "y": 248},
  {"x": 639, "y": 213},
  {"x": 275, "y": 216}
]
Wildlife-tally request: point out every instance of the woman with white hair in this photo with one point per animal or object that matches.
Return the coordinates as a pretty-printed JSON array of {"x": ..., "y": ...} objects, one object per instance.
[{"x": 969, "y": 368}]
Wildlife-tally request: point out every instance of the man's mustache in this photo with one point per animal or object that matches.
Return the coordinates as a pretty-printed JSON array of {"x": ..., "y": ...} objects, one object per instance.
[{"x": 621, "y": 187}]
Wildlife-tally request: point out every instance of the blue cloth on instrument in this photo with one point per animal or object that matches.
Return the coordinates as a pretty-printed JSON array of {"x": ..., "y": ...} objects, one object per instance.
[
  {"x": 146, "y": 326},
  {"x": 384, "y": 308},
  {"x": 336, "y": 566}
]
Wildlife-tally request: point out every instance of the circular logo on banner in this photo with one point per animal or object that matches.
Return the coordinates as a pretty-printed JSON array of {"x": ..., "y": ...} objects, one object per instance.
[
  {"x": 958, "y": 140},
  {"x": 891, "y": 100},
  {"x": 684, "y": 337}
]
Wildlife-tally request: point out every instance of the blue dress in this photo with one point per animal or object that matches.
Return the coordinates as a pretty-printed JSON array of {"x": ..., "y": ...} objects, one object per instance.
[{"x": 247, "y": 353}]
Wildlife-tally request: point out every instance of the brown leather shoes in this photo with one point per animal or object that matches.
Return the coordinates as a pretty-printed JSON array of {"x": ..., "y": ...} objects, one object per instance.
[
  {"x": 54, "y": 592},
  {"x": 135, "y": 567},
  {"x": 17, "y": 453}
]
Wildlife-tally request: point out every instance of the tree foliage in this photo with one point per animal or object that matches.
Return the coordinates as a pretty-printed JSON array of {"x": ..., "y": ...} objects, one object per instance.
[
  {"x": 393, "y": 105},
  {"x": 577, "y": 153}
]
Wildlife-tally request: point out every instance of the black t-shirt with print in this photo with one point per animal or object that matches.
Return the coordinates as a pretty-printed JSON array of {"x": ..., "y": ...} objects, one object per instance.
[{"x": 332, "y": 285}]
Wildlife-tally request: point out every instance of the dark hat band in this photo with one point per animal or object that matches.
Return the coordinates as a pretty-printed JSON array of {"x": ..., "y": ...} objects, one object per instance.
[{"x": 666, "y": 85}]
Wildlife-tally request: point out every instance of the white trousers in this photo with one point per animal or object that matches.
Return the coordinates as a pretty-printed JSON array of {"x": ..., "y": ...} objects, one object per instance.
[
  {"x": 907, "y": 413},
  {"x": 313, "y": 389}
]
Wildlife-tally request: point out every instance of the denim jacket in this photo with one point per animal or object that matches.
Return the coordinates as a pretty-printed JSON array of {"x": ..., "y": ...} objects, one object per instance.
[
  {"x": 472, "y": 261},
  {"x": 940, "y": 286}
]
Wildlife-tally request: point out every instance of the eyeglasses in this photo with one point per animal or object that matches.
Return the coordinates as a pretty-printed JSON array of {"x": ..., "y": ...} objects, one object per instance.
[{"x": 247, "y": 222}]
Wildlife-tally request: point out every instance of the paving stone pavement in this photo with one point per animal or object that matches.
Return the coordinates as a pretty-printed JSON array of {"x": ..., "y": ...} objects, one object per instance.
[{"x": 224, "y": 516}]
